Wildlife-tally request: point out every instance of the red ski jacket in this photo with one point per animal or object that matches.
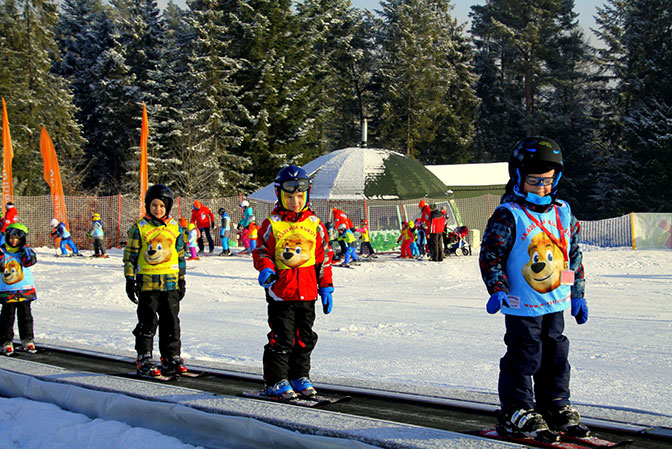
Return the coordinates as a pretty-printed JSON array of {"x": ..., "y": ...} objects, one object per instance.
[
  {"x": 202, "y": 217},
  {"x": 296, "y": 247}
]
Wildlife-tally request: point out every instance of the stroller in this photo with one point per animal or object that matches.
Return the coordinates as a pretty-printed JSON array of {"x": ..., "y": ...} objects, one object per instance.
[{"x": 455, "y": 241}]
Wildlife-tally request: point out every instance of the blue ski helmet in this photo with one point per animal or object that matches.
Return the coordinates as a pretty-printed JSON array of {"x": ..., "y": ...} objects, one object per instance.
[
  {"x": 161, "y": 192},
  {"x": 535, "y": 155},
  {"x": 292, "y": 179}
]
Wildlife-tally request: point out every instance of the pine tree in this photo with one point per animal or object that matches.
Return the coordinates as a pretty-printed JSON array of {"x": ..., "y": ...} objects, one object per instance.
[
  {"x": 36, "y": 97},
  {"x": 168, "y": 86},
  {"x": 276, "y": 84},
  {"x": 212, "y": 135},
  {"x": 423, "y": 69},
  {"x": 116, "y": 122},
  {"x": 647, "y": 119},
  {"x": 83, "y": 33},
  {"x": 331, "y": 28}
]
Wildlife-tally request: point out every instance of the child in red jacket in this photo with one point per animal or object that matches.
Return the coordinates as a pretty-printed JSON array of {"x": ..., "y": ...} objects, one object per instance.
[{"x": 293, "y": 258}]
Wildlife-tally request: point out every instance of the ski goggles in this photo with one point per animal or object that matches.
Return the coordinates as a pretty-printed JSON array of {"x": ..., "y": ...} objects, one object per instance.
[
  {"x": 15, "y": 231},
  {"x": 294, "y": 185},
  {"x": 539, "y": 181}
]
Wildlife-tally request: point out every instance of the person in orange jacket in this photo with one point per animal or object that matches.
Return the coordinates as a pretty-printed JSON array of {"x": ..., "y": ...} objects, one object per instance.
[{"x": 204, "y": 219}]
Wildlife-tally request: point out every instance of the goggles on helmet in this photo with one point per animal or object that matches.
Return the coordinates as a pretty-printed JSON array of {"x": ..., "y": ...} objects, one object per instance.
[
  {"x": 293, "y": 185},
  {"x": 15, "y": 231},
  {"x": 539, "y": 181}
]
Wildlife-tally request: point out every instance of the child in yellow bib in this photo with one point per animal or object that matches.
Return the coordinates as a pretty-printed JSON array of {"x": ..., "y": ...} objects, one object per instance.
[{"x": 154, "y": 267}]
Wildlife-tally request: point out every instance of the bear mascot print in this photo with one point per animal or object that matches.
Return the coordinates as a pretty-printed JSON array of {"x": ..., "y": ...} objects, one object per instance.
[
  {"x": 13, "y": 272},
  {"x": 294, "y": 250},
  {"x": 542, "y": 271},
  {"x": 158, "y": 250}
]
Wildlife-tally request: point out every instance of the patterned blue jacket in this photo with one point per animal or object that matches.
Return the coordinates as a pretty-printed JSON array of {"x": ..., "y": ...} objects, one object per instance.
[{"x": 498, "y": 240}]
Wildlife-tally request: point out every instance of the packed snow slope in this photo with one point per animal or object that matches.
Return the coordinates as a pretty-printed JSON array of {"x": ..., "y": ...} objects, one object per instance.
[{"x": 396, "y": 324}]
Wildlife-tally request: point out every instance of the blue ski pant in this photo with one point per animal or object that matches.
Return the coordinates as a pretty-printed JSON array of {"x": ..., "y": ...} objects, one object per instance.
[
  {"x": 68, "y": 243},
  {"x": 535, "y": 365}
]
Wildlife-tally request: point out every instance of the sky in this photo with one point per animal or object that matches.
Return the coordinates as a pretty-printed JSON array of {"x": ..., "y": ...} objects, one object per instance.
[
  {"x": 585, "y": 9},
  {"x": 402, "y": 325}
]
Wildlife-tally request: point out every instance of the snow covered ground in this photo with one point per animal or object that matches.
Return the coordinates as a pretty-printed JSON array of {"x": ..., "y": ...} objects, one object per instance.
[
  {"x": 396, "y": 324},
  {"x": 59, "y": 429}
]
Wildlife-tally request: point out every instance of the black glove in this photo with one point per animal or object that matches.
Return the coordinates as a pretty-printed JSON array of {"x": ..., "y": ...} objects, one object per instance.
[
  {"x": 212, "y": 226},
  {"x": 131, "y": 291},
  {"x": 181, "y": 288}
]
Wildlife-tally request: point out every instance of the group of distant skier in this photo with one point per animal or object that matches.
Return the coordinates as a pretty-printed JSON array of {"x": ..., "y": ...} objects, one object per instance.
[{"x": 530, "y": 262}]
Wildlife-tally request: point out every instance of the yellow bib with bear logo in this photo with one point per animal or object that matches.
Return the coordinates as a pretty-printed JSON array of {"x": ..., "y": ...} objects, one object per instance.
[
  {"x": 157, "y": 248},
  {"x": 295, "y": 242}
]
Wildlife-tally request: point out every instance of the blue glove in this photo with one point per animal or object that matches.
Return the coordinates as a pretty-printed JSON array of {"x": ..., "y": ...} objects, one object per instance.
[
  {"x": 267, "y": 277},
  {"x": 327, "y": 298},
  {"x": 496, "y": 301},
  {"x": 580, "y": 310}
]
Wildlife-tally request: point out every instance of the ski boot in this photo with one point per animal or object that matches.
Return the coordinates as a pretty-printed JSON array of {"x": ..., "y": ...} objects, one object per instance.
[
  {"x": 7, "y": 348},
  {"x": 281, "y": 390},
  {"x": 28, "y": 346},
  {"x": 146, "y": 366},
  {"x": 172, "y": 366},
  {"x": 526, "y": 424},
  {"x": 304, "y": 387},
  {"x": 566, "y": 419}
]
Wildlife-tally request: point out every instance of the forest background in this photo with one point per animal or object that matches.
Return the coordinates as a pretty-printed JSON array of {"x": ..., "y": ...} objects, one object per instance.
[{"x": 236, "y": 88}]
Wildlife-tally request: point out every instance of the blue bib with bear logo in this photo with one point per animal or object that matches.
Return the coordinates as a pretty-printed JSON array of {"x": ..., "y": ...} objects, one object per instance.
[
  {"x": 15, "y": 276},
  {"x": 535, "y": 262}
]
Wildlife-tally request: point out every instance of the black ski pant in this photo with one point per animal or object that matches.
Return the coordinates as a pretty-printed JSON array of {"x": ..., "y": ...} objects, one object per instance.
[
  {"x": 98, "y": 247},
  {"x": 536, "y": 350},
  {"x": 290, "y": 341},
  {"x": 201, "y": 245},
  {"x": 25, "y": 321},
  {"x": 366, "y": 246},
  {"x": 158, "y": 309},
  {"x": 436, "y": 246}
]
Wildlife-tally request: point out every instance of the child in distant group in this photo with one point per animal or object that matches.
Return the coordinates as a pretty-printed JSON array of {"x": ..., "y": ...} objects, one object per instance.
[
  {"x": 366, "y": 240},
  {"x": 98, "y": 235},
  {"x": 415, "y": 251},
  {"x": 253, "y": 232},
  {"x": 225, "y": 231},
  {"x": 293, "y": 258},
  {"x": 406, "y": 236},
  {"x": 531, "y": 264},
  {"x": 17, "y": 290},
  {"x": 421, "y": 237},
  {"x": 184, "y": 224},
  {"x": 192, "y": 241},
  {"x": 154, "y": 268},
  {"x": 11, "y": 216},
  {"x": 62, "y": 233},
  {"x": 243, "y": 226},
  {"x": 350, "y": 241}
]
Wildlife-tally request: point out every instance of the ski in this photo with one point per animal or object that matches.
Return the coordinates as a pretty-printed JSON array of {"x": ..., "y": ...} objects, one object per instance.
[
  {"x": 29, "y": 351},
  {"x": 493, "y": 434},
  {"x": 315, "y": 401},
  {"x": 593, "y": 441},
  {"x": 191, "y": 374},
  {"x": 160, "y": 378}
]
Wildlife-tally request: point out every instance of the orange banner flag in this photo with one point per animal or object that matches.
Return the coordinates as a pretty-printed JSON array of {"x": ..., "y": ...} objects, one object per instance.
[
  {"x": 52, "y": 174},
  {"x": 144, "y": 135},
  {"x": 7, "y": 157}
]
